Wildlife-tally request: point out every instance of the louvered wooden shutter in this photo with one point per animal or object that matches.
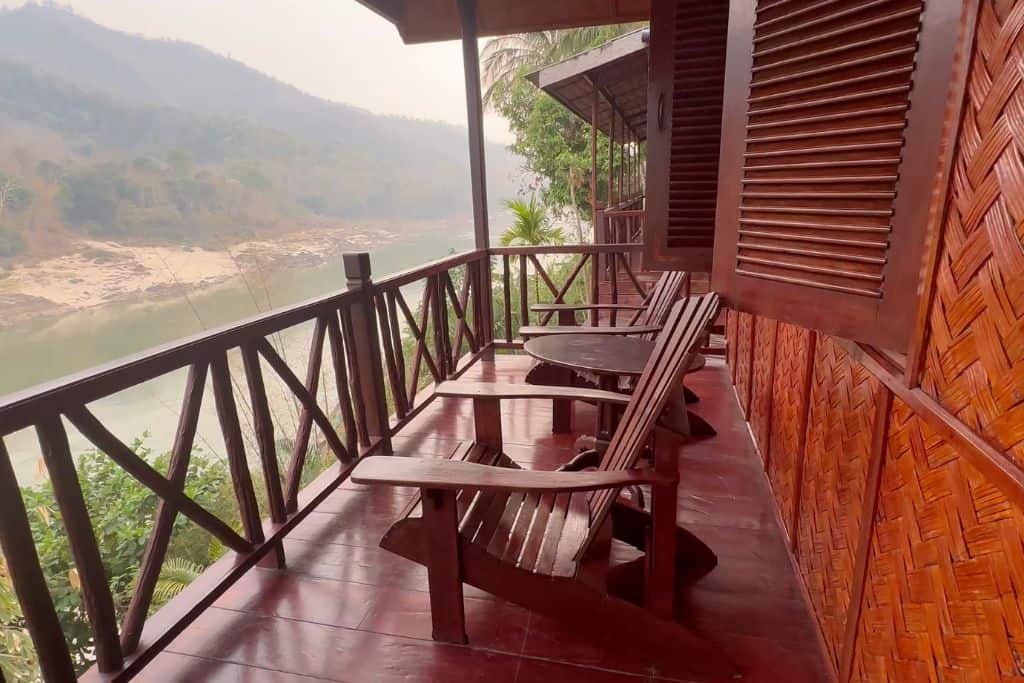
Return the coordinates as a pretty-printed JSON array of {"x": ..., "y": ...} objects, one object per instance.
[
  {"x": 684, "y": 117},
  {"x": 815, "y": 222}
]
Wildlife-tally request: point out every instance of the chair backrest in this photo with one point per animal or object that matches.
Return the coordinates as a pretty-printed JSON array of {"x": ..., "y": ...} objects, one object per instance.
[
  {"x": 663, "y": 374},
  {"x": 659, "y": 300}
]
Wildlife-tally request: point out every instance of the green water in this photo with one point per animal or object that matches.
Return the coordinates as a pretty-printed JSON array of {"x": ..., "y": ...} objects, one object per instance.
[{"x": 43, "y": 350}]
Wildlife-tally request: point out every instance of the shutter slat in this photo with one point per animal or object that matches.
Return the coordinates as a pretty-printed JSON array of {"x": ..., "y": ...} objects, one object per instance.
[
  {"x": 688, "y": 58},
  {"x": 852, "y": 97}
]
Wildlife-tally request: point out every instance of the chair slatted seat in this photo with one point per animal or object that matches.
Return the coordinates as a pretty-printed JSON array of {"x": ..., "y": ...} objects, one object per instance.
[{"x": 542, "y": 539}]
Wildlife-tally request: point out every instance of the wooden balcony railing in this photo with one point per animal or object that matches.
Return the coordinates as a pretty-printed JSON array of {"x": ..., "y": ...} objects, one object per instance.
[
  {"x": 594, "y": 263},
  {"x": 370, "y": 354}
]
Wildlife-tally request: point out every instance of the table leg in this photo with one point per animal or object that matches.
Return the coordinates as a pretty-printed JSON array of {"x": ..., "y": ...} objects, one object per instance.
[
  {"x": 605, "y": 414},
  {"x": 561, "y": 409}
]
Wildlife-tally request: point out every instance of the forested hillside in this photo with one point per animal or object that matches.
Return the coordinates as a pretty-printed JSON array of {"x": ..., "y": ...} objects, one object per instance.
[{"x": 111, "y": 135}]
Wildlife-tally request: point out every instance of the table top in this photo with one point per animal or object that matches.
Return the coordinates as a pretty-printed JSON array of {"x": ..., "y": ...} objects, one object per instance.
[{"x": 600, "y": 354}]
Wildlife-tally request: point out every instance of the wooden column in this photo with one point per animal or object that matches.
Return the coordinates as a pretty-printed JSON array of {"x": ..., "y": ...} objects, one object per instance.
[
  {"x": 611, "y": 156},
  {"x": 365, "y": 351},
  {"x": 623, "y": 150},
  {"x": 594, "y": 111},
  {"x": 477, "y": 165},
  {"x": 629, "y": 165}
]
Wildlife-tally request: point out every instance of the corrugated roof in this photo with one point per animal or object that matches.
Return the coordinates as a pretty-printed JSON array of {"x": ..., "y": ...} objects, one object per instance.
[
  {"x": 423, "y": 21},
  {"x": 619, "y": 70}
]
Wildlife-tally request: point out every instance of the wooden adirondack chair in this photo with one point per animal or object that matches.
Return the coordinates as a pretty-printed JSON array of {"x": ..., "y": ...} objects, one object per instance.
[
  {"x": 543, "y": 539},
  {"x": 646, "y": 322}
]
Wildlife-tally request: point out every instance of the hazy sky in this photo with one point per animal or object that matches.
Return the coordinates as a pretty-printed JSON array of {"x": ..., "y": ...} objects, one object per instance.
[{"x": 335, "y": 49}]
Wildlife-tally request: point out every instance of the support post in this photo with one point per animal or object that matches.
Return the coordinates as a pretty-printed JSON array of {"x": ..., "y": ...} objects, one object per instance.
[
  {"x": 477, "y": 164},
  {"x": 610, "y": 204},
  {"x": 365, "y": 351},
  {"x": 594, "y": 110}
]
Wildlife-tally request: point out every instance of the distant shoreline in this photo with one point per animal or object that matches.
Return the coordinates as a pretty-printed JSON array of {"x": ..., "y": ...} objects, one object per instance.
[{"x": 99, "y": 273}]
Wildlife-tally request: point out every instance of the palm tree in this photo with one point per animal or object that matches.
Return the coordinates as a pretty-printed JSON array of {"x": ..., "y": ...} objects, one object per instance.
[
  {"x": 506, "y": 58},
  {"x": 531, "y": 226}
]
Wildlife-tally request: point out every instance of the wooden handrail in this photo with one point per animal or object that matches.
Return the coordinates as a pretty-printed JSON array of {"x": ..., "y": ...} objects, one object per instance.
[{"x": 566, "y": 249}]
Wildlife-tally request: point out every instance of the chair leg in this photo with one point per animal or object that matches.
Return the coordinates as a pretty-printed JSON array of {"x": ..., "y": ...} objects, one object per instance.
[
  {"x": 444, "y": 568},
  {"x": 487, "y": 422},
  {"x": 699, "y": 426},
  {"x": 661, "y": 545}
]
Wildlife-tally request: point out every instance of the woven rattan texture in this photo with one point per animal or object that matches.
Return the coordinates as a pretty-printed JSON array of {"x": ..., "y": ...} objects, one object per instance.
[
  {"x": 762, "y": 379},
  {"x": 974, "y": 363},
  {"x": 844, "y": 398},
  {"x": 946, "y": 570},
  {"x": 744, "y": 339},
  {"x": 789, "y": 397}
]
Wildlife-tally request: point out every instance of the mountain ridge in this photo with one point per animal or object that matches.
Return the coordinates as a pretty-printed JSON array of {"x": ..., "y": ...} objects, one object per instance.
[
  {"x": 118, "y": 136},
  {"x": 129, "y": 66}
]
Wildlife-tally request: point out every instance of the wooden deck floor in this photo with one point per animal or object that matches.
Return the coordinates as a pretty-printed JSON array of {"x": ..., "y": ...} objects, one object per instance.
[{"x": 345, "y": 610}]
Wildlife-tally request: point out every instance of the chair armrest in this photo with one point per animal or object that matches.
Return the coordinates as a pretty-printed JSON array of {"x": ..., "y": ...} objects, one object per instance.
[
  {"x": 453, "y": 475},
  {"x": 542, "y": 330},
  {"x": 463, "y": 389},
  {"x": 586, "y": 307}
]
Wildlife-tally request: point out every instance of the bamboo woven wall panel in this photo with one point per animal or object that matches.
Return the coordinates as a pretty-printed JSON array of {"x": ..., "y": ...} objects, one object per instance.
[
  {"x": 790, "y": 401},
  {"x": 762, "y": 380},
  {"x": 744, "y": 340},
  {"x": 844, "y": 398},
  {"x": 946, "y": 570},
  {"x": 974, "y": 363}
]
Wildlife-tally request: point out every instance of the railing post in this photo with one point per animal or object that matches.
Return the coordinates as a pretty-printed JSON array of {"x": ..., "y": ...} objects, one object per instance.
[
  {"x": 597, "y": 266},
  {"x": 365, "y": 350}
]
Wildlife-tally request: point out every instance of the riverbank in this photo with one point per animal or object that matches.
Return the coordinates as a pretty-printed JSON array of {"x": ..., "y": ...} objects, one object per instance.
[{"x": 98, "y": 273}]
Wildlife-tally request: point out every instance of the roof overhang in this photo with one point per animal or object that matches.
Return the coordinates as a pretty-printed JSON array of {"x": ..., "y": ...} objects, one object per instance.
[
  {"x": 618, "y": 69},
  {"x": 424, "y": 21}
]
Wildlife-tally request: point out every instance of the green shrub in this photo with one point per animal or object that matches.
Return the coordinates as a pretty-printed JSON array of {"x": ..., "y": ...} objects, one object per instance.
[
  {"x": 11, "y": 243},
  {"x": 121, "y": 512}
]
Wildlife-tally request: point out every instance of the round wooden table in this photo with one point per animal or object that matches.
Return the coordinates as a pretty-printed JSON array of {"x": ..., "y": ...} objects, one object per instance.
[{"x": 609, "y": 358}]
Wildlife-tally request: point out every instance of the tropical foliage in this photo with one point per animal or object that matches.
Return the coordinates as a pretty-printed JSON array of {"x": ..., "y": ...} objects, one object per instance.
[
  {"x": 121, "y": 512},
  {"x": 531, "y": 225},
  {"x": 554, "y": 142}
]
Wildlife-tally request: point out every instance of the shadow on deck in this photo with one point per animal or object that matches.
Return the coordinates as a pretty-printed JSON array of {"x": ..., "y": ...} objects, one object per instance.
[{"x": 345, "y": 610}]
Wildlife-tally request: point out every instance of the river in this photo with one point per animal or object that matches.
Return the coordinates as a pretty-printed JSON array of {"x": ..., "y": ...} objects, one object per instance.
[{"x": 45, "y": 349}]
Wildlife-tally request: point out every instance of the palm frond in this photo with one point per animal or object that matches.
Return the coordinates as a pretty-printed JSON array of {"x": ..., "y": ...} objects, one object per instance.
[
  {"x": 506, "y": 58},
  {"x": 176, "y": 574}
]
